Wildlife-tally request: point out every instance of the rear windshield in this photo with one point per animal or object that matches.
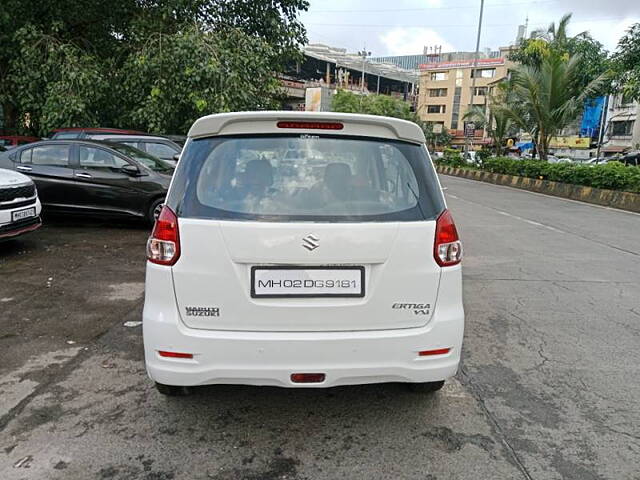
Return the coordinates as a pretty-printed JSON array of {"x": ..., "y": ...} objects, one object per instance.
[{"x": 305, "y": 178}]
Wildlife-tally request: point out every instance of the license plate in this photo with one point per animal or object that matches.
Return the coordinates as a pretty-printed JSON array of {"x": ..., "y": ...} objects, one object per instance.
[
  {"x": 307, "y": 282},
  {"x": 22, "y": 214}
]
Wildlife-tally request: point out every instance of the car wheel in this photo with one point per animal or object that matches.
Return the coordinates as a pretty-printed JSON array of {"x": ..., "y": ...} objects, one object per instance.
[
  {"x": 173, "y": 390},
  {"x": 154, "y": 210},
  {"x": 426, "y": 387}
]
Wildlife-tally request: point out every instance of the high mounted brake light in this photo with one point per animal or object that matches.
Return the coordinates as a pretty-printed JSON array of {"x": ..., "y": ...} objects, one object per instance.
[
  {"x": 163, "y": 247},
  {"x": 312, "y": 125},
  {"x": 447, "y": 249}
]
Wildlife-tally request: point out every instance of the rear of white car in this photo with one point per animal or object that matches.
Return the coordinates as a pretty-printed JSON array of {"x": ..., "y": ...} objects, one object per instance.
[
  {"x": 341, "y": 267},
  {"x": 19, "y": 205}
]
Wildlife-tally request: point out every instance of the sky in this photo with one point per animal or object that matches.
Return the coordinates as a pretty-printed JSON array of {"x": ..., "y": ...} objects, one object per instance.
[{"x": 403, "y": 27}]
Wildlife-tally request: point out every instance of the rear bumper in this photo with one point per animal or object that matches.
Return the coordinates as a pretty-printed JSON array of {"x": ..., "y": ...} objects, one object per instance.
[{"x": 270, "y": 358}]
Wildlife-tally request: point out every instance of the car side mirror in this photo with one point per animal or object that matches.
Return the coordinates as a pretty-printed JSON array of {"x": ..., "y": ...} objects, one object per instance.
[
  {"x": 176, "y": 157},
  {"x": 131, "y": 170}
]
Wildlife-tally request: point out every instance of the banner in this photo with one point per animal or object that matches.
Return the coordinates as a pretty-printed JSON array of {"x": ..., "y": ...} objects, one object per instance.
[
  {"x": 570, "y": 142},
  {"x": 482, "y": 62}
]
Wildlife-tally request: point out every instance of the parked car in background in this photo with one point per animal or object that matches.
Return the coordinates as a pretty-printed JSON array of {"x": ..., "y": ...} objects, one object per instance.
[
  {"x": 631, "y": 159},
  {"x": 554, "y": 159},
  {"x": 80, "y": 132},
  {"x": 12, "y": 141},
  {"x": 159, "y": 147},
  {"x": 596, "y": 161},
  {"x": 179, "y": 139},
  {"x": 88, "y": 176},
  {"x": 19, "y": 205},
  {"x": 156, "y": 145},
  {"x": 470, "y": 156}
]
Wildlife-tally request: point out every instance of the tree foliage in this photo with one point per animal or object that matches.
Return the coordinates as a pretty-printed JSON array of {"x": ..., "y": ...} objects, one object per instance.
[
  {"x": 626, "y": 62},
  {"x": 544, "y": 102},
  {"x": 385, "y": 105},
  {"x": 153, "y": 65},
  {"x": 555, "y": 42},
  {"x": 177, "y": 78},
  {"x": 494, "y": 119}
]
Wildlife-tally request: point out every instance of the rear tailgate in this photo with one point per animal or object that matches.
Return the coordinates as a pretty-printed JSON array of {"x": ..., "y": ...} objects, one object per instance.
[{"x": 212, "y": 279}]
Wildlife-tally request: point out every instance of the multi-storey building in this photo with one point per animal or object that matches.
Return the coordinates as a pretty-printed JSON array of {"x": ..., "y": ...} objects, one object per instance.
[
  {"x": 445, "y": 90},
  {"x": 622, "y": 126}
]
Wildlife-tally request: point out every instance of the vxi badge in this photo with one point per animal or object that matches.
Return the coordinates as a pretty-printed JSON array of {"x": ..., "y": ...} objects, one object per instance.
[{"x": 418, "y": 308}]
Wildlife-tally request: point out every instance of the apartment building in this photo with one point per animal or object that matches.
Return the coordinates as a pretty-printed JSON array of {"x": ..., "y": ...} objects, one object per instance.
[
  {"x": 622, "y": 126},
  {"x": 445, "y": 91}
]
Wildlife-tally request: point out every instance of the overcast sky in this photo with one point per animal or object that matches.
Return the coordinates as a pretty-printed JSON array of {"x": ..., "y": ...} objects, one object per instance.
[{"x": 402, "y": 27}]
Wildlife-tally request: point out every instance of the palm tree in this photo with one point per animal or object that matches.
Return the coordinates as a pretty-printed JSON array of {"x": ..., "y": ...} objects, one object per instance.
[
  {"x": 556, "y": 35},
  {"x": 492, "y": 118},
  {"x": 544, "y": 102}
]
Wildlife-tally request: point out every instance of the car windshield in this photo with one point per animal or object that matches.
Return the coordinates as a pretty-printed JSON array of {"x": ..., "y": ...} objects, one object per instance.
[
  {"x": 149, "y": 161},
  {"x": 326, "y": 178}
]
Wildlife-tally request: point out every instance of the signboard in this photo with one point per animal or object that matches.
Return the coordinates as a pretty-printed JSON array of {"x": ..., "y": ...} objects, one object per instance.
[
  {"x": 437, "y": 128},
  {"x": 317, "y": 99},
  {"x": 482, "y": 62},
  {"x": 570, "y": 142},
  {"x": 469, "y": 129}
]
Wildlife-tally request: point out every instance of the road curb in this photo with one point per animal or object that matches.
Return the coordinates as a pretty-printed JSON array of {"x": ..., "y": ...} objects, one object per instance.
[{"x": 608, "y": 198}]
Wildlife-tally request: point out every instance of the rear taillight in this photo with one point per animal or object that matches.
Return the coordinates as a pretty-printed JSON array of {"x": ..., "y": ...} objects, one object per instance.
[
  {"x": 447, "y": 249},
  {"x": 163, "y": 247}
]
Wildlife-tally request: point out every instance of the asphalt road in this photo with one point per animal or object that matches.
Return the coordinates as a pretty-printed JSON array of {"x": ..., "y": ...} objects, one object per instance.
[{"x": 549, "y": 388}]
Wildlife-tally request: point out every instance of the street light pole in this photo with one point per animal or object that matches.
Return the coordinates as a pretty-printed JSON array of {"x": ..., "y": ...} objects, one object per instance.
[
  {"x": 473, "y": 69},
  {"x": 364, "y": 54}
]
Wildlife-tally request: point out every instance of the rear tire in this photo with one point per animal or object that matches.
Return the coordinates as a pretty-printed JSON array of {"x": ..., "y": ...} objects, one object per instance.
[
  {"x": 425, "y": 387},
  {"x": 154, "y": 210},
  {"x": 173, "y": 390}
]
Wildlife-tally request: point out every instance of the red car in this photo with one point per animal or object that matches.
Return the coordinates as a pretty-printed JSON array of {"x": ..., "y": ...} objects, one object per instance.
[{"x": 11, "y": 141}]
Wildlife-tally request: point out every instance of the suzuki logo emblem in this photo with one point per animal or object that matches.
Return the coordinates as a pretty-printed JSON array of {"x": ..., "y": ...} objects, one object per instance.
[{"x": 311, "y": 242}]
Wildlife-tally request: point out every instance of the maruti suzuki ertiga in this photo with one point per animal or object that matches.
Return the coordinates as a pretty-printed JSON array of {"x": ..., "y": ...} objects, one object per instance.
[{"x": 339, "y": 265}]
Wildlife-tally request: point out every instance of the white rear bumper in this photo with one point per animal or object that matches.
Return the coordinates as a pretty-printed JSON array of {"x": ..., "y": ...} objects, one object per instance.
[{"x": 270, "y": 358}]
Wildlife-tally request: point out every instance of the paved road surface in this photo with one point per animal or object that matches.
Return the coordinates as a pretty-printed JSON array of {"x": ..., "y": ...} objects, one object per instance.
[{"x": 549, "y": 388}]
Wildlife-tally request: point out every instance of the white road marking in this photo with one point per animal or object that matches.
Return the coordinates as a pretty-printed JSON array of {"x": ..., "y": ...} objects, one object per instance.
[{"x": 530, "y": 222}]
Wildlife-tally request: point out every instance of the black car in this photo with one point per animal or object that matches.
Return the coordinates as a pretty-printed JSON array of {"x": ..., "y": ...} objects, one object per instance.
[
  {"x": 156, "y": 145},
  {"x": 93, "y": 177}
]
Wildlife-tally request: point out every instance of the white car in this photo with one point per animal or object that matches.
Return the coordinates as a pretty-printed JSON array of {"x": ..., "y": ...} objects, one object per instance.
[
  {"x": 19, "y": 205},
  {"x": 346, "y": 272}
]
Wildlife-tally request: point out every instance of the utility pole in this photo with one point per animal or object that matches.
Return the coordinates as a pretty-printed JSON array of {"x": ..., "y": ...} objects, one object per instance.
[
  {"x": 364, "y": 54},
  {"x": 473, "y": 69},
  {"x": 603, "y": 119}
]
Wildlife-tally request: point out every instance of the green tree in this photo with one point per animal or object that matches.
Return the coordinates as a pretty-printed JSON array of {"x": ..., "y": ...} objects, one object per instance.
[
  {"x": 56, "y": 83},
  {"x": 555, "y": 41},
  {"x": 177, "y": 78},
  {"x": 626, "y": 63},
  {"x": 385, "y": 105},
  {"x": 67, "y": 63},
  {"x": 544, "y": 102},
  {"x": 435, "y": 140},
  {"x": 493, "y": 118},
  {"x": 346, "y": 101}
]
